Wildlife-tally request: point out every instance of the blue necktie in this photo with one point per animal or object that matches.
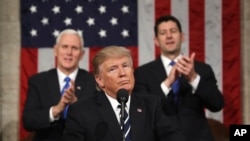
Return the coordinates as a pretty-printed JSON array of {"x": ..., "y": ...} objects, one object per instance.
[
  {"x": 126, "y": 125},
  {"x": 67, "y": 81},
  {"x": 175, "y": 86}
]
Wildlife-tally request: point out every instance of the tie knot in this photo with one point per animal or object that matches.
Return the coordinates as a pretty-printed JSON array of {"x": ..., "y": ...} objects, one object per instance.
[
  {"x": 172, "y": 63},
  {"x": 120, "y": 106},
  {"x": 67, "y": 79}
]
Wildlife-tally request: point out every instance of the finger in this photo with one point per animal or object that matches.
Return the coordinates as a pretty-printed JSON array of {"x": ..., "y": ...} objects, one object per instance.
[
  {"x": 182, "y": 63},
  {"x": 192, "y": 56},
  {"x": 68, "y": 99},
  {"x": 72, "y": 82},
  {"x": 181, "y": 69},
  {"x": 71, "y": 90}
]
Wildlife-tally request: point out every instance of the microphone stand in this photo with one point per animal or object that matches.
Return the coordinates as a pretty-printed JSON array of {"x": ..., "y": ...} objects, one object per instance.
[
  {"x": 122, "y": 119},
  {"x": 122, "y": 98}
]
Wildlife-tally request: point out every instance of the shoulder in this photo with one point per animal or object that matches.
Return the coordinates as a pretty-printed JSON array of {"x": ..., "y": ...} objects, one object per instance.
[
  {"x": 87, "y": 102},
  {"x": 85, "y": 73},
  {"x": 149, "y": 66},
  {"x": 146, "y": 98},
  {"x": 201, "y": 66},
  {"x": 43, "y": 75}
]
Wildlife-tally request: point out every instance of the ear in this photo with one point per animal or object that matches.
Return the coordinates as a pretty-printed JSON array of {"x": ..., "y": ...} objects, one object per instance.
[
  {"x": 99, "y": 81},
  {"x": 182, "y": 37},
  {"x": 82, "y": 54},
  {"x": 55, "y": 50},
  {"x": 156, "y": 42}
]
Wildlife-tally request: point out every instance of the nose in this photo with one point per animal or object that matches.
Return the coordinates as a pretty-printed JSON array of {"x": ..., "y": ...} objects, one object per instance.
[
  {"x": 169, "y": 35},
  {"x": 122, "y": 71},
  {"x": 69, "y": 51}
]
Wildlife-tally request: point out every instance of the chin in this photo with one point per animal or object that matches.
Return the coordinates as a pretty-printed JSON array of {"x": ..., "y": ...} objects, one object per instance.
[{"x": 128, "y": 88}]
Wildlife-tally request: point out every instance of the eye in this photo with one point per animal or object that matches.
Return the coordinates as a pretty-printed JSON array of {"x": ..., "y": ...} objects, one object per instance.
[
  {"x": 75, "y": 48},
  {"x": 162, "y": 32},
  {"x": 126, "y": 65},
  {"x": 112, "y": 69},
  {"x": 173, "y": 30},
  {"x": 64, "y": 46}
]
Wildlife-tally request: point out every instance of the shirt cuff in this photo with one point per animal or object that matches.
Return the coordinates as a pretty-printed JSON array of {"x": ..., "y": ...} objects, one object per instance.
[
  {"x": 195, "y": 83},
  {"x": 51, "y": 117},
  {"x": 165, "y": 89}
]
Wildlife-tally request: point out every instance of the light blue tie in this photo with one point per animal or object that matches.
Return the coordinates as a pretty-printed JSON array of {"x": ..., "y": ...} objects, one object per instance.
[
  {"x": 67, "y": 81},
  {"x": 175, "y": 86}
]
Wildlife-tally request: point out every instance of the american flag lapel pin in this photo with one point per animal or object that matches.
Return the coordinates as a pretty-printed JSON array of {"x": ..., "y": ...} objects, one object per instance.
[
  {"x": 78, "y": 87},
  {"x": 139, "y": 110}
]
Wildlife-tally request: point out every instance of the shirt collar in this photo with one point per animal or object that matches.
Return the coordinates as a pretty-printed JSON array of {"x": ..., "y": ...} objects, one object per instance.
[
  {"x": 114, "y": 103},
  {"x": 72, "y": 75},
  {"x": 166, "y": 61}
]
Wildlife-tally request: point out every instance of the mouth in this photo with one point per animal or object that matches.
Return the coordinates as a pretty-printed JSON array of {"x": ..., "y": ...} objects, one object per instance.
[
  {"x": 67, "y": 59},
  {"x": 170, "y": 43},
  {"x": 124, "y": 82}
]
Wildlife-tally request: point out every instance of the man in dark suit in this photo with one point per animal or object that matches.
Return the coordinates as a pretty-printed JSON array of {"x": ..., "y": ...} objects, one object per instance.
[
  {"x": 46, "y": 101},
  {"x": 196, "y": 83},
  {"x": 97, "y": 118}
]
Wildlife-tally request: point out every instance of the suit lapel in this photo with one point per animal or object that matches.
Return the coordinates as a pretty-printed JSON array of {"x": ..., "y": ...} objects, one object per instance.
[
  {"x": 137, "y": 116},
  {"x": 160, "y": 73},
  {"x": 184, "y": 89},
  {"x": 109, "y": 117},
  {"x": 80, "y": 83},
  {"x": 53, "y": 86},
  {"x": 158, "y": 70}
]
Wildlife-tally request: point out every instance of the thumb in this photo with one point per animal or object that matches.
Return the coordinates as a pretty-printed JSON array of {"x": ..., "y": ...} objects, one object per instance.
[{"x": 192, "y": 56}]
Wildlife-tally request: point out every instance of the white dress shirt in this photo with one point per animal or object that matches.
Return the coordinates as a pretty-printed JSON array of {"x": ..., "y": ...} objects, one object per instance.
[
  {"x": 114, "y": 103},
  {"x": 61, "y": 77}
]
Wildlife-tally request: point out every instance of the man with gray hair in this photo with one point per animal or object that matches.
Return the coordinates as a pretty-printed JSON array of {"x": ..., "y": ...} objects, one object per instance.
[{"x": 51, "y": 92}]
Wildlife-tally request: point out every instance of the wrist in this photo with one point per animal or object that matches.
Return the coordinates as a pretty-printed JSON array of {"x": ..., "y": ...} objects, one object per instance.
[{"x": 193, "y": 77}]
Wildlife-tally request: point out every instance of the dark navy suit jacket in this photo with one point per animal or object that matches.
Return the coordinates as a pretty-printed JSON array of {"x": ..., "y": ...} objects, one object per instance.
[
  {"x": 44, "y": 92},
  {"x": 94, "y": 119},
  {"x": 188, "y": 114}
]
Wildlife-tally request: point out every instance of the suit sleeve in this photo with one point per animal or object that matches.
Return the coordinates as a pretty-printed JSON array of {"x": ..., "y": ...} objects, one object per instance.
[
  {"x": 34, "y": 117},
  {"x": 73, "y": 130},
  {"x": 208, "y": 91},
  {"x": 165, "y": 130}
]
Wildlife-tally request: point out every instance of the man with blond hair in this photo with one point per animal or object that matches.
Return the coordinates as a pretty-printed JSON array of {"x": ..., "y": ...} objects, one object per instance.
[{"x": 99, "y": 118}]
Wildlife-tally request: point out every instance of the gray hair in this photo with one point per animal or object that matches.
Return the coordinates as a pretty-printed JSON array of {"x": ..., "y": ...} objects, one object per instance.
[{"x": 70, "y": 31}]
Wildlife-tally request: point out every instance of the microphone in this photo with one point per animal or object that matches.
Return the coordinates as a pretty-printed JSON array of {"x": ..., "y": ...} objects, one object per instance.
[{"x": 122, "y": 98}]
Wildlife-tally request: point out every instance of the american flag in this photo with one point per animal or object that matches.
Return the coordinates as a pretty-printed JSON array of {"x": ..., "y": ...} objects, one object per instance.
[{"x": 211, "y": 27}]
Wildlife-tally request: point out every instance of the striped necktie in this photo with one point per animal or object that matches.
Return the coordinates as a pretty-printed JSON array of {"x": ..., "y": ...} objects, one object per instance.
[
  {"x": 125, "y": 125},
  {"x": 176, "y": 85},
  {"x": 67, "y": 80}
]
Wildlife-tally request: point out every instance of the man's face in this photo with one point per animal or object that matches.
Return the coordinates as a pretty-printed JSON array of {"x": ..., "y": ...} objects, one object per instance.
[
  {"x": 68, "y": 52},
  {"x": 169, "y": 38},
  {"x": 116, "y": 73}
]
